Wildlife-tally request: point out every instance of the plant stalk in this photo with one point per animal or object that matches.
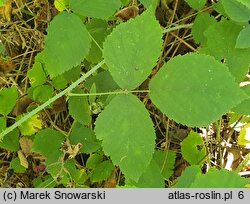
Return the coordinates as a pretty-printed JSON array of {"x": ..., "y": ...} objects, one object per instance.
[
  {"x": 177, "y": 28},
  {"x": 51, "y": 100}
]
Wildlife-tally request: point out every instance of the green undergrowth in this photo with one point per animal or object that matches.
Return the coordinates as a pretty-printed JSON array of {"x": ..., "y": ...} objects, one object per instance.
[{"x": 101, "y": 68}]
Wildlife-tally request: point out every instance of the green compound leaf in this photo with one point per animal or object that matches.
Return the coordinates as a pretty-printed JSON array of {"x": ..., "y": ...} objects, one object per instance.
[
  {"x": 98, "y": 30},
  {"x": 16, "y": 165},
  {"x": 10, "y": 141},
  {"x": 218, "y": 7},
  {"x": 86, "y": 137},
  {"x": 153, "y": 3},
  {"x": 192, "y": 148},
  {"x": 243, "y": 40},
  {"x": 41, "y": 93},
  {"x": 237, "y": 10},
  {"x": 196, "y": 4},
  {"x": 47, "y": 141},
  {"x": 94, "y": 160},
  {"x": 199, "y": 27},
  {"x": 61, "y": 4},
  {"x": 221, "y": 40},
  {"x": 73, "y": 74},
  {"x": 55, "y": 166},
  {"x": 245, "y": 2},
  {"x": 151, "y": 178},
  {"x": 243, "y": 107},
  {"x": 95, "y": 8},
  {"x": 126, "y": 139},
  {"x": 78, "y": 176},
  {"x": 66, "y": 45},
  {"x": 8, "y": 97},
  {"x": 219, "y": 179},
  {"x": 37, "y": 75},
  {"x": 173, "y": 92},
  {"x": 129, "y": 56},
  {"x": 104, "y": 83},
  {"x": 47, "y": 182},
  {"x": 188, "y": 176},
  {"x": 61, "y": 81},
  {"x": 30, "y": 126},
  {"x": 165, "y": 161},
  {"x": 79, "y": 107},
  {"x": 125, "y": 2},
  {"x": 102, "y": 171},
  {"x": 92, "y": 90}
]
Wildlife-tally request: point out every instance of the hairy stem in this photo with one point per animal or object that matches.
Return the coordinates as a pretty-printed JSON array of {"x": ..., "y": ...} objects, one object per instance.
[{"x": 51, "y": 100}]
